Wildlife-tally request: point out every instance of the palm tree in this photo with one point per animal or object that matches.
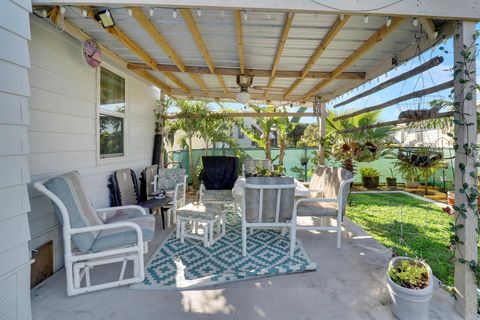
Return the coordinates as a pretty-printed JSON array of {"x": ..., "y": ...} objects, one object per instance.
[{"x": 262, "y": 136}]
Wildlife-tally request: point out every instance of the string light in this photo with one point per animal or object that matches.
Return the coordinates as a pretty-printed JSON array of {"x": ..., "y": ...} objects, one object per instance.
[
  {"x": 415, "y": 22},
  {"x": 84, "y": 13},
  {"x": 174, "y": 13},
  {"x": 342, "y": 16},
  {"x": 365, "y": 19},
  {"x": 130, "y": 12},
  {"x": 44, "y": 13},
  {"x": 62, "y": 10},
  {"x": 389, "y": 21},
  {"x": 151, "y": 12},
  {"x": 199, "y": 12},
  {"x": 245, "y": 15}
]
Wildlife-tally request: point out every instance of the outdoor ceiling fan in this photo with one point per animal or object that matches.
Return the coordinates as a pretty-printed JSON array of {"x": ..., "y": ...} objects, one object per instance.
[{"x": 245, "y": 83}]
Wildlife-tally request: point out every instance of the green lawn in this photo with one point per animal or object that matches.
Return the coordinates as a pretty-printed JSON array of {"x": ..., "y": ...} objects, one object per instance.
[{"x": 425, "y": 228}]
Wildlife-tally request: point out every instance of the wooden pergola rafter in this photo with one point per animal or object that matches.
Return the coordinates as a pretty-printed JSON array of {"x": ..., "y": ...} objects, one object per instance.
[
  {"x": 162, "y": 42},
  {"x": 332, "y": 32},
  {"x": 202, "y": 47},
  {"x": 378, "y": 36}
]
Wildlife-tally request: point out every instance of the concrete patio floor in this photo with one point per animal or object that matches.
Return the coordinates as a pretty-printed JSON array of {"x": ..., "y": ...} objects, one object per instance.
[{"x": 348, "y": 284}]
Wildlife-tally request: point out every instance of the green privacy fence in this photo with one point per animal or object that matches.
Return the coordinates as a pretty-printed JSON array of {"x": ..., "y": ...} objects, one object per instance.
[{"x": 294, "y": 168}]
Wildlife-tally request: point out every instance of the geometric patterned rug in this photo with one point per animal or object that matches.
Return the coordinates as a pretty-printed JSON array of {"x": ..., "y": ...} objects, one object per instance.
[{"x": 177, "y": 266}]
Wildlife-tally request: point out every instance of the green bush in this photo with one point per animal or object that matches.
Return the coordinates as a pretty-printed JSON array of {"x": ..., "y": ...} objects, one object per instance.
[
  {"x": 369, "y": 172},
  {"x": 409, "y": 274}
]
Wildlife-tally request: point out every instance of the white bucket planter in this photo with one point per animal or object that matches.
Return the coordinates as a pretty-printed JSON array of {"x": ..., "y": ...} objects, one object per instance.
[{"x": 410, "y": 303}]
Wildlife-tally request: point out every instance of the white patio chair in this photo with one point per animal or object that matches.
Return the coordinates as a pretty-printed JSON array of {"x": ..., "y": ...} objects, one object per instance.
[
  {"x": 174, "y": 182},
  {"x": 334, "y": 187},
  {"x": 101, "y": 236},
  {"x": 269, "y": 206}
]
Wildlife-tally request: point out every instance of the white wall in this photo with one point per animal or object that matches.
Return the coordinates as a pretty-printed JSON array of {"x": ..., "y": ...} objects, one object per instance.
[
  {"x": 63, "y": 131},
  {"x": 14, "y": 148}
]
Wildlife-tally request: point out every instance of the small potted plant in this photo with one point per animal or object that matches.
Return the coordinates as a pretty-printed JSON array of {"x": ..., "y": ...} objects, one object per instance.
[
  {"x": 409, "y": 282},
  {"x": 391, "y": 180},
  {"x": 370, "y": 177}
]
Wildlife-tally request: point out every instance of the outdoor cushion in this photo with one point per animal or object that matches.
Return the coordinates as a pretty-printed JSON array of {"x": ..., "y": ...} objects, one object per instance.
[
  {"x": 250, "y": 165},
  {"x": 122, "y": 237},
  {"x": 330, "y": 180},
  {"x": 122, "y": 215},
  {"x": 319, "y": 209},
  {"x": 219, "y": 172},
  {"x": 126, "y": 186},
  {"x": 217, "y": 196},
  {"x": 68, "y": 187}
]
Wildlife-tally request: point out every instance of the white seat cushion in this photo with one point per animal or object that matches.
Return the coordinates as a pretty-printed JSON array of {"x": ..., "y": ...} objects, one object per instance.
[{"x": 319, "y": 209}]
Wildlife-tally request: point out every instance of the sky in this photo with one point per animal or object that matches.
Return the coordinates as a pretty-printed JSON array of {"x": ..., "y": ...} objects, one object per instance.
[{"x": 432, "y": 77}]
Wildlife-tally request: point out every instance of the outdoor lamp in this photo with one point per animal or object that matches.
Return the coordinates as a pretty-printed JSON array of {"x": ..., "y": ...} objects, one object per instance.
[
  {"x": 243, "y": 96},
  {"x": 105, "y": 18}
]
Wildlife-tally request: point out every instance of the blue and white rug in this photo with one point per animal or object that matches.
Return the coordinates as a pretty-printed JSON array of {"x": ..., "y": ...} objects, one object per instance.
[{"x": 198, "y": 266}]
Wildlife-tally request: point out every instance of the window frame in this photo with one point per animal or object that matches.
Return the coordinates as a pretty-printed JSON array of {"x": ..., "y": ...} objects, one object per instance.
[{"x": 124, "y": 116}]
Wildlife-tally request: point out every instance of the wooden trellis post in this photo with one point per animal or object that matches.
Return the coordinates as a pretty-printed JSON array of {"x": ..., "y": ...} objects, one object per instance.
[
  {"x": 321, "y": 119},
  {"x": 465, "y": 284}
]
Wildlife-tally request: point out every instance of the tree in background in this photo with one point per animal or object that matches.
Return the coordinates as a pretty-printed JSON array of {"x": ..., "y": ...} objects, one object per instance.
[
  {"x": 262, "y": 136},
  {"x": 295, "y": 135}
]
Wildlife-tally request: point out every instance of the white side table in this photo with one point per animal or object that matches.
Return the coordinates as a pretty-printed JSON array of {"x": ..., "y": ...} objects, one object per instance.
[{"x": 209, "y": 217}]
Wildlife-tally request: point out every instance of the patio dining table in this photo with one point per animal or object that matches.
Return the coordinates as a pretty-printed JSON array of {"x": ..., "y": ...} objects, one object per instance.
[{"x": 300, "y": 189}]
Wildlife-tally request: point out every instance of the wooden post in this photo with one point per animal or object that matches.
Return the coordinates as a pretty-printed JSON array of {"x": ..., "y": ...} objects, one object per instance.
[
  {"x": 162, "y": 129},
  {"x": 321, "y": 123},
  {"x": 465, "y": 285}
]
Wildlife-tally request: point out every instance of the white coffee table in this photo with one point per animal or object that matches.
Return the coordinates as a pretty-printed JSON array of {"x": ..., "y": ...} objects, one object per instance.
[{"x": 209, "y": 217}]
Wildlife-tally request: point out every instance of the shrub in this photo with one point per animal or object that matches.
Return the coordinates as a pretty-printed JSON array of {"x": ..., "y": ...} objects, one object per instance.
[{"x": 409, "y": 274}]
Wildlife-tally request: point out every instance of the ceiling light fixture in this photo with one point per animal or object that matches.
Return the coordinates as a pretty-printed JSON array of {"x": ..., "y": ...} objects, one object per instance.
[
  {"x": 389, "y": 21},
  {"x": 174, "y": 13},
  {"x": 44, "y": 13},
  {"x": 243, "y": 96},
  {"x": 105, "y": 19},
  {"x": 84, "y": 13}
]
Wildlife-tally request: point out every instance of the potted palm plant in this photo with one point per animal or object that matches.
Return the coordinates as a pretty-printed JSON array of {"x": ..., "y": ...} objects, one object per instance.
[
  {"x": 391, "y": 180},
  {"x": 409, "y": 173},
  {"x": 409, "y": 282},
  {"x": 370, "y": 177}
]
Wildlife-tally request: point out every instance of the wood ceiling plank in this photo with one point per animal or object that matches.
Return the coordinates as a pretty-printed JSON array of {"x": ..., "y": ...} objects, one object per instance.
[{"x": 239, "y": 32}]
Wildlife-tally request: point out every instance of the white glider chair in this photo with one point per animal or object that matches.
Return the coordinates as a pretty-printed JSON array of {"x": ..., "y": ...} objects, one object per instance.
[
  {"x": 329, "y": 199},
  {"x": 269, "y": 206},
  {"x": 101, "y": 236}
]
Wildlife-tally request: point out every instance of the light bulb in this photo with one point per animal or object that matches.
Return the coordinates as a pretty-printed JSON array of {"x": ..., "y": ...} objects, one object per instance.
[
  {"x": 222, "y": 14},
  {"x": 174, "y": 13},
  {"x": 342, "y": 16},
  {"x": 151, "y": 12},
  {"x": 245, "y": 15},
  {"x": 130, "y": 12},
  {"x": 84, "y": 13},
  {"x": 389, "y": 21},
  {"x": 365, "y": 19},
  {"x": 62, "y": 10},
  {"x": 199, "y": 12},
  {"x": 44, "y": 13},
  {"x": 415, "y": 22}
]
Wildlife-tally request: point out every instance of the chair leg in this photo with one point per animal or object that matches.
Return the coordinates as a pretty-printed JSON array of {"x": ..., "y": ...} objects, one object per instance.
[
  {"x": 162, "y": 212},
  {"x": 339, "y": 234},
  {"x": 293, "y": 240},
  {"x": 178, "y": 228}
]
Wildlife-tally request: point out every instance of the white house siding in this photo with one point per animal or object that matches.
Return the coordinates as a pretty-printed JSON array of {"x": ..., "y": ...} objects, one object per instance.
[
  {"x": 14, "y": 149},
  {"x": 63, "y": 131}
]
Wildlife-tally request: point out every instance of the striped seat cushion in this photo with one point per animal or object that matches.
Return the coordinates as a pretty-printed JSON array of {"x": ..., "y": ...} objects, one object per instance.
[
  {"x": 124, "y": 236},
  {"x": 68, "y": 187}
]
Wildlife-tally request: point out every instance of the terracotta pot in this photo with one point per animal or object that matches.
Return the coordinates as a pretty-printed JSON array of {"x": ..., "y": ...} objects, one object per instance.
[{"x": 451, "y": 198}]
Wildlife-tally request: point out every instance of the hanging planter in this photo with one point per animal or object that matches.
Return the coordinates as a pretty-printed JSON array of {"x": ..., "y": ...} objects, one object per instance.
[
  {"x": 366, "y": 152},
  {"x": 423, "y": 158}
]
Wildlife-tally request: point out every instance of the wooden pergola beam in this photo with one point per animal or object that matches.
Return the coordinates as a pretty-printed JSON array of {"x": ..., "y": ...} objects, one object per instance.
[
  {"x": 162, "y": 42},
  {"x": 239, "y": 32},
  {"x": 154, "y": 80},
  {"x": 245, "y": 114},
  {"x": 251, "y": 72},
  {"x": 334, "y": 29},
  {"x": 374, "y": 39},
  {"x": 429, "y": 27},
  {"x": 197, "y": 37},
  {"x": 135, "y": 48}
]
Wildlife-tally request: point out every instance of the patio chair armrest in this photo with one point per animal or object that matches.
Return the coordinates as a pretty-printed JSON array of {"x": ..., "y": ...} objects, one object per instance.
[
  {"x": 103, "y": 212},
  {"x": 108, "y": 226}
]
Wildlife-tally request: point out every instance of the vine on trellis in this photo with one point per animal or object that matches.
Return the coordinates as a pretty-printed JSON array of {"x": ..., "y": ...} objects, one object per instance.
[{"x": 463, "y": 74}]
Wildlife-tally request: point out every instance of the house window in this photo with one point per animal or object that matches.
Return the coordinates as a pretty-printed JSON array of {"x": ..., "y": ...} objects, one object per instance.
[
  {"x": 240, "y": 134},
  {"x": 111, "y": 115}
]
